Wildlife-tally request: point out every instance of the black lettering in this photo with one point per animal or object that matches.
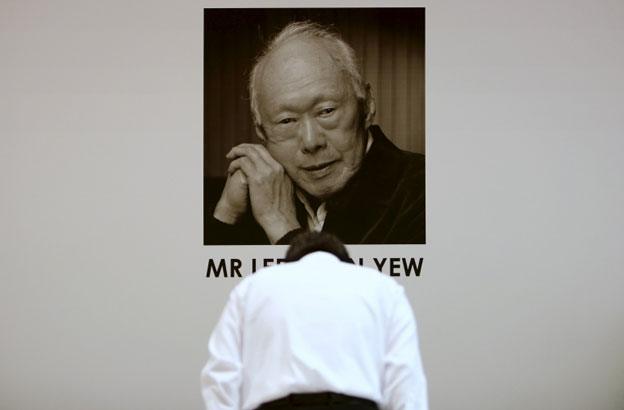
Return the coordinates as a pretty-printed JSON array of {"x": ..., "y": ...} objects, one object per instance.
[
  {"x": 379, "y": 264},
  {"x": 394, "y": 264},
  {"x": 360, "y": 261},
  {"x": 253, "y": 265},
  {"x": 216, "y": 270},
  {"x": 412, "y": 265},
  {"x": 267, "y": 261},
  {"x": 235, "y": 265}
]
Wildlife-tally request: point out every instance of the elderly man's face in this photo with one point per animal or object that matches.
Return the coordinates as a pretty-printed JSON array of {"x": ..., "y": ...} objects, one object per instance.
[{"x": 311, "y": 117}]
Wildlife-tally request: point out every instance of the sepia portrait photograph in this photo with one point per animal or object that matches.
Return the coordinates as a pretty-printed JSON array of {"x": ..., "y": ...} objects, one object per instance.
[{"x": 314, "y": 120}]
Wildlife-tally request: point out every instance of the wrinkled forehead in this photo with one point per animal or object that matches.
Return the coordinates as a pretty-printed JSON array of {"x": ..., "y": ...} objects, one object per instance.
[{"x": 297, "y": 64}]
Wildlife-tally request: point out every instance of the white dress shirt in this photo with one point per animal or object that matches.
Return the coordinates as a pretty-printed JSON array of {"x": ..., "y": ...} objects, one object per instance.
[{"x": 315, "y": 325}]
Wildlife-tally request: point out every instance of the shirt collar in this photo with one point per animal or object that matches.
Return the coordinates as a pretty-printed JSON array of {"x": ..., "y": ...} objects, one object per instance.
[{"x": 319, "y": 256}]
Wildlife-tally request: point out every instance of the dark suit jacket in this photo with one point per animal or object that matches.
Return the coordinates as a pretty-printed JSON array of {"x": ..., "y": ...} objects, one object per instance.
[{"x": 384, "y": 203}]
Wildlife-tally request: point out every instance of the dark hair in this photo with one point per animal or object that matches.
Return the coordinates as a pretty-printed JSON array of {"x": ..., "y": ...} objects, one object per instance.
[{"x": 308, "y": 242}]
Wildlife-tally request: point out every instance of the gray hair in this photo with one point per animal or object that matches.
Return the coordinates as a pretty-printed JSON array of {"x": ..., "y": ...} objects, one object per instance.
[{"x": 340, "y": 51}]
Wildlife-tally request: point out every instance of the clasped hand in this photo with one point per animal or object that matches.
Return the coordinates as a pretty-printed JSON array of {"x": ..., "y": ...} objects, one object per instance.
[{"x": 255, "y": 178}]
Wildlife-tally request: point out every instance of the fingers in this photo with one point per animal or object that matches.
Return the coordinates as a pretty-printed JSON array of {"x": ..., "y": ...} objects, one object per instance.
[
  {"x": 256, "y": 153},
  {"x": 269, "y": 189},
  {"x": 254, "y": 161},
  {"x": 243, "y": 165}
]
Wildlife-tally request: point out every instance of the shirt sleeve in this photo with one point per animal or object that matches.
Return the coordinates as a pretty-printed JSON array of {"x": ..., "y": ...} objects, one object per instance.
[
  {"x": 404, "y": 383},
  {"x": 222, "y": 375}
]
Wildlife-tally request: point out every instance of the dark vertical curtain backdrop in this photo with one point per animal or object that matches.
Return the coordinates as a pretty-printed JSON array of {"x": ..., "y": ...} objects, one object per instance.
[{"x": 389, "y": 44}]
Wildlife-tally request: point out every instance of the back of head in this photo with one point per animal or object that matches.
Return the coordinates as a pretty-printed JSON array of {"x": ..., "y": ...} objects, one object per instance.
[{"x": 308, "y": 242}]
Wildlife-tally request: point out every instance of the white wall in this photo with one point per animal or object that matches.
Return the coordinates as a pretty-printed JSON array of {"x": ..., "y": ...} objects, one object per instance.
[{"x": 103, "y": 300}]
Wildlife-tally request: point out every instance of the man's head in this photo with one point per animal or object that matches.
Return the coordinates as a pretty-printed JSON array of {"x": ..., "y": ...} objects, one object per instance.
[
  {"x": 308, "y": 242},
  {"x": 311, "y": 107}
]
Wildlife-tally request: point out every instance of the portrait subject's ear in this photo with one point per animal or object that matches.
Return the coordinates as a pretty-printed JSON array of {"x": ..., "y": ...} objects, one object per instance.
[
  {"x": 260, "y": 133},
  {"x": 369, "y": 107}
]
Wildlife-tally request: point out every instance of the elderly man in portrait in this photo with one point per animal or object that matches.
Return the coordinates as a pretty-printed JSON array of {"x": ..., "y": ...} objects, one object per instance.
[{"x": 321, "y": 164}]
